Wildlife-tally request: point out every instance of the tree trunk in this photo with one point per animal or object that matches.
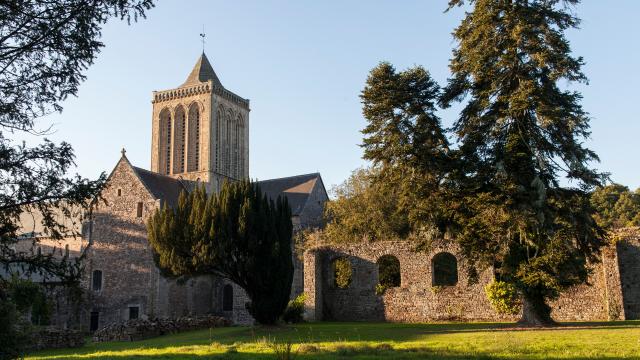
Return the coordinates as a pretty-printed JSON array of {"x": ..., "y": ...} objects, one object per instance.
[{"x": 535, "y": 312}]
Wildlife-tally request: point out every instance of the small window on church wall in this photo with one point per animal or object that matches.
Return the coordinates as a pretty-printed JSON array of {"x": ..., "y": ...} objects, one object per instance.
[
  {"x": 342, "y": 273},
  {"x": 444, "y": 269},
  {"x": 96, "y": 280},
  {"x": 227, "y": 298},
  {"x": 139, "y": 210},
  {"x": 119, "y": 192}
]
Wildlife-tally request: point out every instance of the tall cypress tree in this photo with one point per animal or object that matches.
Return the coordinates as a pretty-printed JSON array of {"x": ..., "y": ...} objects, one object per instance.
[
  {"x": 239, "y": 234},
  {"x": 521, "y": 138}
]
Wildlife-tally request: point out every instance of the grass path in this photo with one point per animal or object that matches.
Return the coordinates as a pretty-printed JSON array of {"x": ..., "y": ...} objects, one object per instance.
[{"x": 448, "y": 341}]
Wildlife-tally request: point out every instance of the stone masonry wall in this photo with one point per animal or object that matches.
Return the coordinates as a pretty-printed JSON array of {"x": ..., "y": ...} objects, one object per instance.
[
  {"x": 119, "y": 248},
  {"x": 628, "y": 252},
  {"x": 416, "y": 300},
  {"x": 310, "y": 217}
]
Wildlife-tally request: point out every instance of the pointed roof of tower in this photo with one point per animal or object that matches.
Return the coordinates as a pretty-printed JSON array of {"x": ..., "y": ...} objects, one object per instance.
[{"x": 202, "y": 72}]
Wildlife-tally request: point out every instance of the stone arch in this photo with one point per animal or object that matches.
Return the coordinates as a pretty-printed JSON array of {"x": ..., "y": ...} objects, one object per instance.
[
  {"x": 389, "y": 271},
  {"x": 194, "y": 142},
  {"x": 342, "y": 272},
  {"x": 179, "y": 139},
  {"x": 227, "y": 297},
  {"x": 165, "y": 141},
  {"x": 444, "y": 269}
]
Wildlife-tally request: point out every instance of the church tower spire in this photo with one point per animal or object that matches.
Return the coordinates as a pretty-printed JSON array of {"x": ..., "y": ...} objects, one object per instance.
[
  {"x": 200, "y": 130},
  {"x": 202, "y": 72}
]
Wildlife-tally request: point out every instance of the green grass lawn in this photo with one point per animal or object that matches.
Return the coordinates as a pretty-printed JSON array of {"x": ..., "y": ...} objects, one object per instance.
[{"x": 603, "y": 340}]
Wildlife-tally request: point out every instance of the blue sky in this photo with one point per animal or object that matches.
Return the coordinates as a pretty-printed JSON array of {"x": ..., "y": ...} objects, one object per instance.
[{"x": 303, "y": 63}]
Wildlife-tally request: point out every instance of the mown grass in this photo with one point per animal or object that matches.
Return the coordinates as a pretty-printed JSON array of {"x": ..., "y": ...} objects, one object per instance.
[{"x": 449, "y": 341}]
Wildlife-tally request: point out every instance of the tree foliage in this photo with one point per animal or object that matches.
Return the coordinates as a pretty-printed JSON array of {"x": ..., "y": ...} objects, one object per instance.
[
  {"x": 504, "y": 297},
  {"x": 342, "y": 272},
  {"x": 45, "y": 48},
  {"x": 399, "y": 195},
  {"x": 365, "y": 208},
  {"x": 405, "y": 141},
  {"x": 616, "y": 207},
  {"x": 521, "y": 136},
  {"x": 501, "y": 188},
  {"x": 239, "y": 234}
]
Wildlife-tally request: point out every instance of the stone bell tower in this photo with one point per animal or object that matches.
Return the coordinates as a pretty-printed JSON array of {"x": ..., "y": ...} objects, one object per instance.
[{"x": 200, "y": 130}]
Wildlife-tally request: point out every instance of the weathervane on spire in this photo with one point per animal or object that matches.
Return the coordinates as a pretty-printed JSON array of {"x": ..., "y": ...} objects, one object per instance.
[{"x": 202, "y": 35}]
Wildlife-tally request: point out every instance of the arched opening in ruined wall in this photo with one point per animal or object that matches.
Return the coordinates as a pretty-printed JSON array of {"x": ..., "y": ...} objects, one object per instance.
[
  {"x": 342, "y": 272},
  {"x": 227, "y": 298},
  {"x": 444, "y": 269},
  {"x": 389, "y": 271}
]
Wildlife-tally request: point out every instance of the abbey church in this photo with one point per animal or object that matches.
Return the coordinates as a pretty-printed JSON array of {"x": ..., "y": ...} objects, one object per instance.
[{"x": 200, "y": 136}]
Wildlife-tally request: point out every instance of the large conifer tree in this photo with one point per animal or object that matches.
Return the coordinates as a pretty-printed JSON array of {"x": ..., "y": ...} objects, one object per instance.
[
  {"x": 521, "y": 139},
  {"x": 405, "y": 141},
  {"x": 239, "y": 234}
]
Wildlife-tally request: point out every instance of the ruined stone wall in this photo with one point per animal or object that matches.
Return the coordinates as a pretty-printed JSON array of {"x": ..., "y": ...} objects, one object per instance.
[
  {"x": 628, "y": 253},
  {"x": 310, "y": 217},
  {"x": 239, "y": 315},
  {"x": 416, "y": 299}
]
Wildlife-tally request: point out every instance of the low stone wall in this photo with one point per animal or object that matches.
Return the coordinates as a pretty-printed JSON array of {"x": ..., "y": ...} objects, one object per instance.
[
  {"x": 139, "y": 329},
  {"x": 56, "y": 338}
]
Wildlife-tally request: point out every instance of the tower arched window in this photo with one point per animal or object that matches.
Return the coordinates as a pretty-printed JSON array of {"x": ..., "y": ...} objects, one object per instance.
[
  {"x": 238, "y": 148},
  {"x": 165, "y": 141},
  {"x": 227, "y": 142},
  {"x": 179, "y": 142},
  {"x": 218, "y": 139},
  {"x": 241, "y": 153},
  {"x": 193, "y": 162}
]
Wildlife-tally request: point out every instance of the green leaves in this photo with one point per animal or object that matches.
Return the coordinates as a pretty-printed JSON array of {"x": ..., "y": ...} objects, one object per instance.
[
  {"x": 616, "y": 206},
  {"x": 504, "y": 297},
  {"x": 237, "y": 233}
]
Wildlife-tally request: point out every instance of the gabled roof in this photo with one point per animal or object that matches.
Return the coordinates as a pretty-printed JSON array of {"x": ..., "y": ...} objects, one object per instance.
[
  {"x": 161, "y": 186},
  {"x": 296, "y": 188},
  {"x": 202, "y": 72}
]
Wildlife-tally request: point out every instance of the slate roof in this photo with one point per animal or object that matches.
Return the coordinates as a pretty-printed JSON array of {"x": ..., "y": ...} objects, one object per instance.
[
  {"x": 296, "y": 188},
  {"x": 202, "y": 72},
  {"x": 161, "y": 186}
]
